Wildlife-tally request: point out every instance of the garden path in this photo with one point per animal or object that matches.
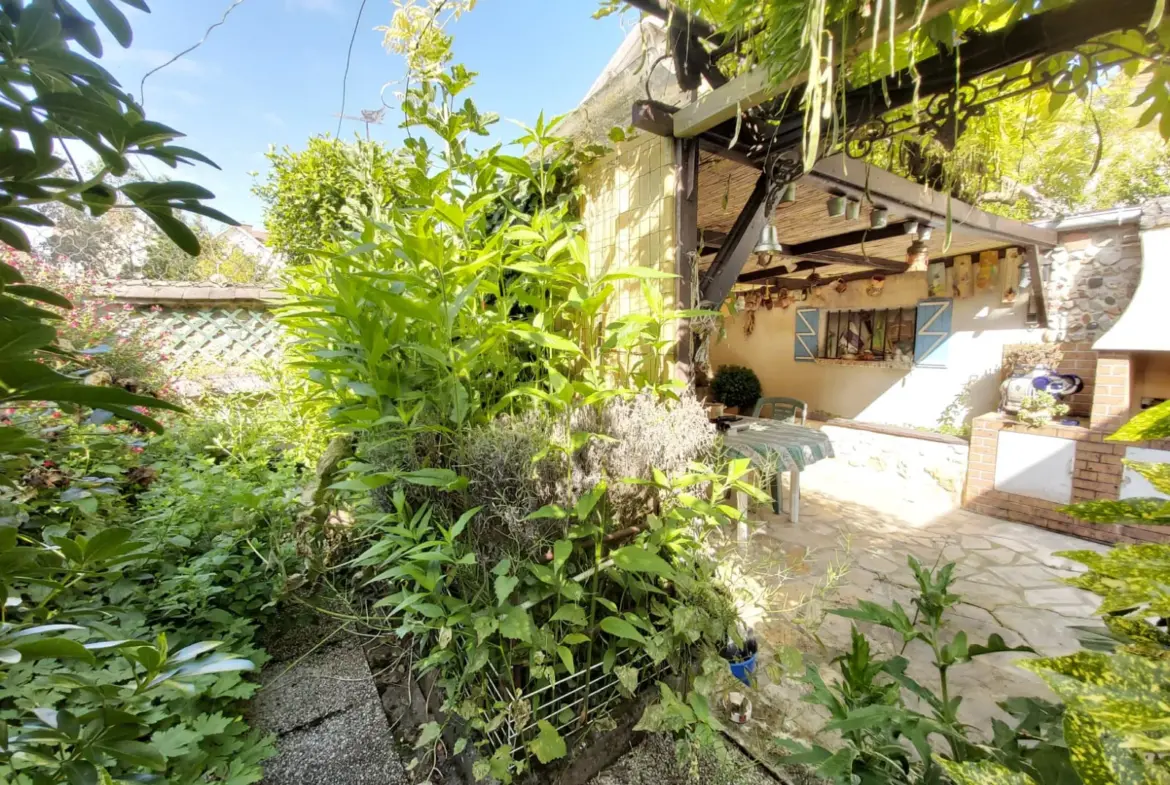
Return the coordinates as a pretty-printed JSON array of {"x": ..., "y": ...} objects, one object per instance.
[{"x": 852, "y": 543}]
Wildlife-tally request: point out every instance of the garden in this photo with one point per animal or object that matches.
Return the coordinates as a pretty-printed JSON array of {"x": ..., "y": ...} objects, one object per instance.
[{"x": 465, "y": 452}]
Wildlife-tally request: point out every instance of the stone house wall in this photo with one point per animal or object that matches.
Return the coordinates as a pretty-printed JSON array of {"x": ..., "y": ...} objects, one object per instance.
[{"x": 1092, "y": 276}]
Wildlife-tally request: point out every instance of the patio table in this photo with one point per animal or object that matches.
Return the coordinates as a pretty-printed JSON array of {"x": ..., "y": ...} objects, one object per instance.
[{"x": 783, "y": 447}]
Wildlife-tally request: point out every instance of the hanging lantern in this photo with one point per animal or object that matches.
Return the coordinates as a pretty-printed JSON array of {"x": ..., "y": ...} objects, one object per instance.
[
  {"x": 917, "y": 257},
  {"x": 918, "y": 254}
]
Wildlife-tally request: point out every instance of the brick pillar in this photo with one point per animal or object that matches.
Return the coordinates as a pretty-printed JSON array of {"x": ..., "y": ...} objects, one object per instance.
[{"x": 1111, "y": 397}]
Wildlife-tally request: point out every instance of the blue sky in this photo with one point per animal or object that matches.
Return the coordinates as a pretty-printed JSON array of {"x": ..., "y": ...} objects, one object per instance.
[{"x": 272, "y": 74}]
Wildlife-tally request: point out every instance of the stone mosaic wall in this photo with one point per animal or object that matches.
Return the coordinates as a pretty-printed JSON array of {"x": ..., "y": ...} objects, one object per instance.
[{"x": 1092, "y": 277}]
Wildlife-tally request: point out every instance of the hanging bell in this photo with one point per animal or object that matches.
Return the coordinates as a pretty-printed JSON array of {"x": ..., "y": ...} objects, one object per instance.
[{"x": 769, "y": 241}]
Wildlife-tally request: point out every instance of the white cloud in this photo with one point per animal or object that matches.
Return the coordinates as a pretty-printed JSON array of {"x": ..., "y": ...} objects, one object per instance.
[
  {"x": 184, "y": 97},
  {"x": 328, "y": 6},
  {"x": 148, "y": 59}
]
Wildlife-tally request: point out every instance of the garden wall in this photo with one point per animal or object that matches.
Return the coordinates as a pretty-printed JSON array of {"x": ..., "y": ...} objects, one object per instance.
[
  {"x": 905, "y": 458},
  {"x": 1026, "y": 474},
  {"x": 205, "y": 331}
]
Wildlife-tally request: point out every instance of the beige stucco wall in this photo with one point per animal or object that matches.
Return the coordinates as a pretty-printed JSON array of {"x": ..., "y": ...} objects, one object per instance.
[
  {"x": 629, "y": 215},
  {"x": 918, "y": 397},
  {"x": 1092, "y": 277}
]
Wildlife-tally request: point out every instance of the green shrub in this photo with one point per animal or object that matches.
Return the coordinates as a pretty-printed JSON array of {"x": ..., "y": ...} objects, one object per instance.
[
  {"x": 529, "y": 501},
  {"x": 160, "y": 542},
  {"x": 735, "y": 385}
]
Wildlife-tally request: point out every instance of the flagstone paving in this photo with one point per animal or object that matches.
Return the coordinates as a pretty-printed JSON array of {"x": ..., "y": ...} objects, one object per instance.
[{"x": 852, "y": 543}]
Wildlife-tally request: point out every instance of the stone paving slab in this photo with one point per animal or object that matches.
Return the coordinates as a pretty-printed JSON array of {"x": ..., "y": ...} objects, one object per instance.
[
  {"x": 1008, "y": 575},
  {"x": 325, "y": 709}
]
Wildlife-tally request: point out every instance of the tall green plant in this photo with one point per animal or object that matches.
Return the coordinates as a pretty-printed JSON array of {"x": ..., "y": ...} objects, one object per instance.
[{"x": 472, "y": 297}]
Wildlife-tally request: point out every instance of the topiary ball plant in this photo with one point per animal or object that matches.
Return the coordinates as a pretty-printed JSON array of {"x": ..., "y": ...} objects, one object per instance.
[{"x": 735, "y": 385}]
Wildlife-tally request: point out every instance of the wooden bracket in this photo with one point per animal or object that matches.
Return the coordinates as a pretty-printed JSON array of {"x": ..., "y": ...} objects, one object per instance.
[{"x": 733, "y": 254}]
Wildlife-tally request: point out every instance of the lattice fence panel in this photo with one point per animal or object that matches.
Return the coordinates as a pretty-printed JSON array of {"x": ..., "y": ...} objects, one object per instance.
[{"x": 229, "y": 338}]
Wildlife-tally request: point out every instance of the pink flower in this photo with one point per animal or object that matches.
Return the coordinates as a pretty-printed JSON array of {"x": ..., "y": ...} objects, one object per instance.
[
  {"x": 127, "y": 307},
  {"x": 136, "y": 449}
]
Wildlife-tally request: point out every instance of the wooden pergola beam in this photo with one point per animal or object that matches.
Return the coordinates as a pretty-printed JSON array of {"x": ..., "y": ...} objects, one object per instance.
[
  {"x": 864, "y": 181},
  {"x": 855, "y": 237},
  {"x": 875, "y": 267},
  {"x": 777, "y": 272},
  {"x": 655, "y": 117},
  {"x": 796, "y": 284},
  {"x": 686, "y": 205},
  {"x": 1032, "y": 258},
  {"x": 878, "y": 263},
  {"x": 756, "y": 86}
]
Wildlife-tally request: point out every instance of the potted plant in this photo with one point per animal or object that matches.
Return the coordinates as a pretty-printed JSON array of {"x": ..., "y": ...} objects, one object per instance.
[
  {"x": 737, "y": 387},
  {"x": 1039, "y": 409}
]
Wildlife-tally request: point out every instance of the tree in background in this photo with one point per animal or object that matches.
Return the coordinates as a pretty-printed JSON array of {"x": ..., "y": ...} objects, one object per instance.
[
  {"x": 218, "y": 260},
  {"x": 312, "y": 194},
  {"x": 1031, "y": 157},
  {"x": 104, "y": 247}
]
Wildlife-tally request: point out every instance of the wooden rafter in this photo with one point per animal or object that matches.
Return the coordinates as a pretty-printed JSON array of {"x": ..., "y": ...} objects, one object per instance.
[
  {"x": 1050, "y": 32},
  {"x": 756, "y": 86},
  {"x": 737, "y": 246},
  {"x": 856, "y": 237}
]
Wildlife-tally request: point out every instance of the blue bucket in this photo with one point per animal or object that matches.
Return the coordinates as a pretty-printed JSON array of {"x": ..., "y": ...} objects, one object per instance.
[{"x": 743, "y": 670}]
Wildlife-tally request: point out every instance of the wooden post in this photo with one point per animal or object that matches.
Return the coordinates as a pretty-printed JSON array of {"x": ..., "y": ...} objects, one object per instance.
[
  {"x": 1032, "y": 256},
  {"x": 686, "y": 249}
]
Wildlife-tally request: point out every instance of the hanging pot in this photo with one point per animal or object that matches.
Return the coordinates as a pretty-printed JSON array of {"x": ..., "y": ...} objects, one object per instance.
[
  {"x": 840, "y": 287},
  {"x": 836, "y": 205},
  {"x": 879, "y": 218},
  {"x": 789, "y": 193},
  {"x": 783, "y": 298},
  {"x": 852, "y": 209},
  {"x": 876, "y": 284}
]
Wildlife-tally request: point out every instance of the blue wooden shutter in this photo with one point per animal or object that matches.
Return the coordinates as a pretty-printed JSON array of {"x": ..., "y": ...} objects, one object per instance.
[
  {"x": 807, "y": 324},
  {"x": 932, "y": 337}
]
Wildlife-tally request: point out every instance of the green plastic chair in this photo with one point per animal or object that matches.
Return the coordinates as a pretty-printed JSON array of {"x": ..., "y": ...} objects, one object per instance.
[{"x": 785, "y": 409}]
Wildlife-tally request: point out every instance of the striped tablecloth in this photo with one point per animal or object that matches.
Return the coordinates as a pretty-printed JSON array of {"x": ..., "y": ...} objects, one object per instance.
[{"x": 782, "y": 446}]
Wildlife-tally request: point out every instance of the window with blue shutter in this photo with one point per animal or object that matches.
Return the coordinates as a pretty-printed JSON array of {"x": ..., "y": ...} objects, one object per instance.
[
  {"x": 933, "y": 333},
  {"x": 807, "y": 323}
]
